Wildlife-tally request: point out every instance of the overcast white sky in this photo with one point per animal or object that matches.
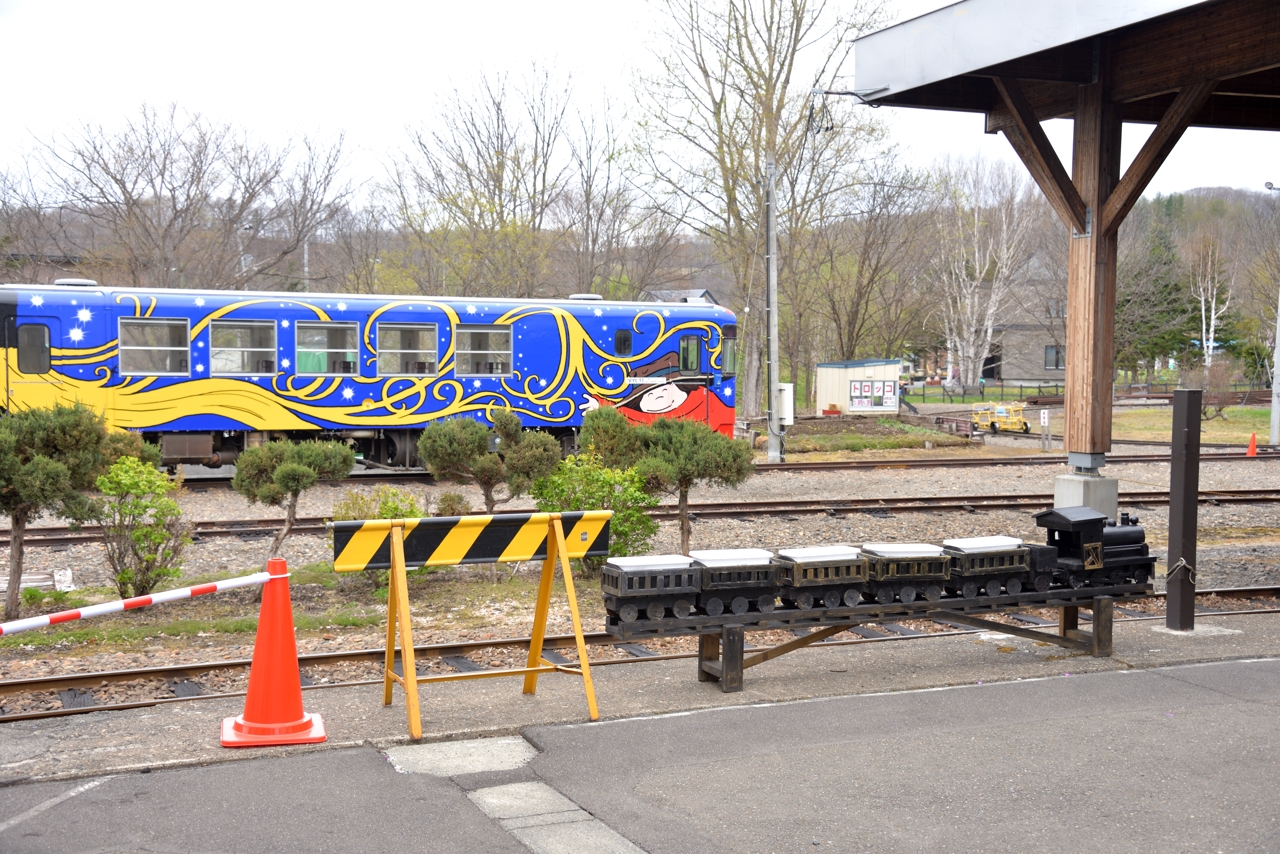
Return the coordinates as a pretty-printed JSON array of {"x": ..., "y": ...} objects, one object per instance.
[{"x": 283, "y": 68}]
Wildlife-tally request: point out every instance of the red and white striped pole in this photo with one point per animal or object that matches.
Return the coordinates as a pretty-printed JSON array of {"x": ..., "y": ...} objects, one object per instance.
[{"x": 136, "y": 602}]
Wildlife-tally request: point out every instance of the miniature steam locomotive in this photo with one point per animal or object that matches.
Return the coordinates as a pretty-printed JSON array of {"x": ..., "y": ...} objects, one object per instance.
[{"x": 1084, "y": 548}]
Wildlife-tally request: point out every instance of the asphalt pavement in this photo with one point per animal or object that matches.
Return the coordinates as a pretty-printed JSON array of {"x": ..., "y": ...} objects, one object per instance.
[{"x": 1166, "y": 759}]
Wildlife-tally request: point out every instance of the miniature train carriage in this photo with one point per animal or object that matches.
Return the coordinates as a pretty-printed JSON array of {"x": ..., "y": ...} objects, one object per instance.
[
  {"x": 988, "y": 564},
  {"x": 744, "y": 578},
  {"x": 905, "y": 570},
  {"x": 827, "y": 575},
  {"x": 649, "y": 585}
]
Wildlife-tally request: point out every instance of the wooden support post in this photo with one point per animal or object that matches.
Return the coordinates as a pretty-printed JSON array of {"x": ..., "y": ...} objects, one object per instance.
[
  {"x": 733, "y": 642},
  {"x": 1184, "y": 496},
  {"x": 1068, "y": 620},
  {"x": 1103, "y": 611},
  {"x": 708, "y": 653},
  {"x": 1091, "y": 275}
]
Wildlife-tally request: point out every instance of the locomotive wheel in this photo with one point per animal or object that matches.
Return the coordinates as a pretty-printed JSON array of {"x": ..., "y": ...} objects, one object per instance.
[
  {"x": 804, "y": 601},
  {"x": 1078, "y": 580},
  {"x": 628, "y": 613},
  {"x": 1099, "y": 579},
  {"x": 969, "y": 590},
  {"x": 766, "y": 604},
  {"x": 907, "y": 594},
  {"x": 933, "y": 593},
  {"x": 681, "y": 608},
  {"x": 852, "y": 597},
  {"x": 1139, "y": 576},
  {"x": 1119, "y": 576},
  {"x": 831, "y": 598},
  {"x": 739, "y": 605},
  {"x": 1043, "y": 583},
  {"x": 713, "y": 607},
  {"x": 656, "y": 611},
  {"x": 993, "y": 587},
  {"x": 885, "y": 596},
  {"x": 1013, "y": 586}
]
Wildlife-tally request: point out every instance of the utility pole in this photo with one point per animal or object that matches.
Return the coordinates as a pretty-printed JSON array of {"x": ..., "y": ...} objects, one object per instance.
[
  {"x": 1275, "y": 368},
  {"x": 776, "y": 453}
]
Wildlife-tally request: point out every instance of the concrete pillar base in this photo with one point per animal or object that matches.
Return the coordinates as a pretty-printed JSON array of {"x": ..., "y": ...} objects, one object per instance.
[{"x": 1088, "y": 490}]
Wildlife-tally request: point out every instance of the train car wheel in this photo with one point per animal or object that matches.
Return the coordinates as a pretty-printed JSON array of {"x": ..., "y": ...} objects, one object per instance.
[
  {"x": 740, "y": 605},
  {"x": 852, "y": 597},
  {"x": 1043, "y": 583},
  {"x": 804, "y": 601},
  {"x": 656, "y": 611},
  {"x": 713, "y": 607},
  {"x": 681, "y": 608},
  {"x": 933, "y": 593},
  {"x": 628, "y": 613},
  {"x": 1026, "y": 427},
  {"x": 1140, "y": 576},
  {"x": 907, "y": 594},
  {"x": 885, "y": 596},
  {"x": 831, "y": 598},
  {"x": 993, "y": 587},
  {"x": 766, "y": 604},
  {"x": 1013, "y": 586},
  {"x": 969, "y": 590}
]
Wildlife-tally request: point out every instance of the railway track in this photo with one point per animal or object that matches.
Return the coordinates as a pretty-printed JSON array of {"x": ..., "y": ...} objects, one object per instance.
[
  {"x": 256, "y": 528},
  {"x": 77, "y": 685},
  {"x": 981, "y": 462}
]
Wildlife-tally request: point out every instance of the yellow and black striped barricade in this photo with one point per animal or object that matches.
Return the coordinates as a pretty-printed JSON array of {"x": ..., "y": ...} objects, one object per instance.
[{"x": 396, "y": 544}]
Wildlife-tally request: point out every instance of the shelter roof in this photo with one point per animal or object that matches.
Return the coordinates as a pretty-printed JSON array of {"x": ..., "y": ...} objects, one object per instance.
[{"x": 949, "y": 59}]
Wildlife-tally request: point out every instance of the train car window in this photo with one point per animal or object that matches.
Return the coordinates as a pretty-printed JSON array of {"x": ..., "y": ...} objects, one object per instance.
[
  {"x": 154, "y": 346},
  {"x": 326, "y": 349},
  {"x": 622, "y": 342},
  {"x": 483, "y": 351},
  {"x": 242, "y": 347},
  {"x": 729, "y": 350},
  {"x": 690, "y": 355},
  {"x": 33, "y": 348},
  {"x": 407, "y": 349}
]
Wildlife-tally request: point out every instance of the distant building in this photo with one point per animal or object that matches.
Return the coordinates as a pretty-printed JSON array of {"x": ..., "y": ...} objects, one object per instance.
[
  {"x": 682, "y": 295},
  {"x": 1029, "y": 342}
]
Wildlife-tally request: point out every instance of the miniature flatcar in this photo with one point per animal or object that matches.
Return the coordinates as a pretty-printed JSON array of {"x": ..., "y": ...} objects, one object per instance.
[{"x": 208, "y": 373}]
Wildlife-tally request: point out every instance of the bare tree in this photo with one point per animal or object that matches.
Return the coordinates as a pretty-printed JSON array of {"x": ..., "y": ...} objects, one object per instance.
[
  {"x": 727, "y": 97},
  {"x": 174, "y": 200},
  {"x": 1211, "y": 285},
  {"x": 982, "y": 252}
]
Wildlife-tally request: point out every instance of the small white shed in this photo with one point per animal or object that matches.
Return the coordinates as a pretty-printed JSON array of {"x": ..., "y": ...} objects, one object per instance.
[{"x": 864, "y": 385}]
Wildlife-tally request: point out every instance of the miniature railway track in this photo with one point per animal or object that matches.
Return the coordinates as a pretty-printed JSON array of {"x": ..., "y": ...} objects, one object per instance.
[
  {"x": 980, "y": 462},
  {"x": 77, "y": 684},
  {"x": 255, "y": 528}
]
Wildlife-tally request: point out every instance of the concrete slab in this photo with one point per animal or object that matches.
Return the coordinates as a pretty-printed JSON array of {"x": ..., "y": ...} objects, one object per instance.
[
  {"x": 516, "y": 800},
  {"x": 473, "y": 756},
  {"x": 588, "y": 837}
]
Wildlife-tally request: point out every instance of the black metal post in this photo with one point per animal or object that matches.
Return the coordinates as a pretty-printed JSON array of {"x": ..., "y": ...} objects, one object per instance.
[{"x": 1184, "y": 498}]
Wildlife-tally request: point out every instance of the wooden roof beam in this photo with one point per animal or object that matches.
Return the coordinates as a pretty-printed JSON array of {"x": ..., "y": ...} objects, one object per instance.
[
  {"x": 1032, "y": 145},
  {"x": 1157, "y": 147}
]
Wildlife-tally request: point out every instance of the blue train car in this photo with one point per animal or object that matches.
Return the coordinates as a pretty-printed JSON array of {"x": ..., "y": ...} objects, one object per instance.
[{"x": 207, "y": 373}]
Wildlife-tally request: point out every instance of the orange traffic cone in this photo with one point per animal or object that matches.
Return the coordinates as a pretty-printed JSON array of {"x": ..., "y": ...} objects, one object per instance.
[
  {"x": 273, "y": 710},
  {"x": 1253, "y": 445}
]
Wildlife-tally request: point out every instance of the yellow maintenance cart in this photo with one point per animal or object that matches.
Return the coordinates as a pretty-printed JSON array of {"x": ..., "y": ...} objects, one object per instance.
[{"x": 1000, "y": 416}]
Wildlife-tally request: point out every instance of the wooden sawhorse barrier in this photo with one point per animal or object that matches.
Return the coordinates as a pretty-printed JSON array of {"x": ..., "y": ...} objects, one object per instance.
[
  {"x": 396, "y": 544},
  {"x": 722, "y": 657}
]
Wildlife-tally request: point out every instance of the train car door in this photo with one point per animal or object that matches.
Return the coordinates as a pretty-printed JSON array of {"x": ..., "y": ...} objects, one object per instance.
[
  {"x": 31, "y": 380},
  {"x": 691, "y": 367}
]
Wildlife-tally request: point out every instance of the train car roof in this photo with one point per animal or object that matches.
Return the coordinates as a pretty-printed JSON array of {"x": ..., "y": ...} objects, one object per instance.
[{"x": 314, "y": 296}]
